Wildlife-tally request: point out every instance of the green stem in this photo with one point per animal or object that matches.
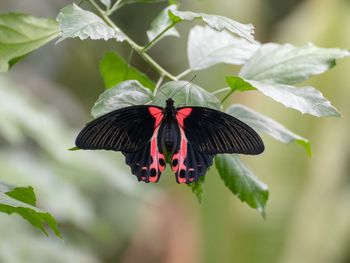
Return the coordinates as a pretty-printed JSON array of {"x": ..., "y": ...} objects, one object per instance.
[
  {"x": 159, "y": 82},
  {"x": 114, "y": 8},
  {"x": 221, "y": 90},
  {"x": 157, "y": 38},
  {"x": 183, "y": 74},
  {"x": 227, "y": 96},
  {"x": 133, "y": 45}
]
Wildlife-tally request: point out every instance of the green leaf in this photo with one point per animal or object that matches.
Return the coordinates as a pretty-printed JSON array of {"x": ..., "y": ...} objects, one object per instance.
[
  {"x": 197, "y": 188},
  {"x": 22, "y": 201},
  {"x": 238, "y": 84},
  {"x": 127, "y": 93},
  {"x": 306, "y": 99},
  {"x": 160, "y": 23},
  {"x": 141, "y": 1},
  {"x": 264, "y": 124},
  {"x": 216, "y": 22},
  {"x": 21, "y": 34},
  {"x": 114, "y": 70},
  {"x": 185, "y": 94},
  {"x": 287, "y": 64},
  {"x": 76, "y": 22},
  {"x": 242, "y": 182},
  {"x": 207, "y": 47}
]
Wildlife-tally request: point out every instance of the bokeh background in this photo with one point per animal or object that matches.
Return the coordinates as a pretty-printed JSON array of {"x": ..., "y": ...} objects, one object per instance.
[{"x": 106, "y": 216}]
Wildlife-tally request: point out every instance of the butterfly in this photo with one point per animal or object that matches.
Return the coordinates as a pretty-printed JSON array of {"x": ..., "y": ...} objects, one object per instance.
[{"x": 187, "y": 138}]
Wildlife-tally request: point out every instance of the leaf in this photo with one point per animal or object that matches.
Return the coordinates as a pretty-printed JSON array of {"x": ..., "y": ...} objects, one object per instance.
[
  {"x": 242, "y": 182},
  {"x": 287, "y": 64},
  {"x": 22, "y": 201},
  {"x": 21, "y": 34},
  {"x": 216, "y": 22},
  {"x": 107, "y": 3},
  {"x": 185, "y": 94},
  {"x": 160, "y": 23},
  {"x": 264, "y": 124},
  {"x": 127, "y": 93},
  {"x": 76, "y": 22},
  {"x": 306, "y": 99},
  {"x": 207, "y": 47},
  {"x": 141, "y": 1},
  {"x": 197, "y": 188},
  {"x": 114, "y": 70}
]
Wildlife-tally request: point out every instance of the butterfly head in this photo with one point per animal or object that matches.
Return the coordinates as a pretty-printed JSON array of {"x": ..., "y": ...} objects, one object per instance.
[{"x": 169, "y": 102}]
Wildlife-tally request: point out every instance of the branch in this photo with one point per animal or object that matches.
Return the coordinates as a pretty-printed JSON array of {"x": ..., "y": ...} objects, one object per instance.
[{"x": 133, "y": 45}]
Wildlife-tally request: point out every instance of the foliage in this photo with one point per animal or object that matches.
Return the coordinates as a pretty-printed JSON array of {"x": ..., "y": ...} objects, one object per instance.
[{"x": 272, "y": 69}]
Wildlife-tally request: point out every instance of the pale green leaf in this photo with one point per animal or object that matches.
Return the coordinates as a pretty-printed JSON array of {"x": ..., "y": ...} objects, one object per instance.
[
  {"x": 216, "y": 22},
  {"x": 22, "y": 201},
  {"x": 185, "y": 94},
  {"x": 141, "y": 1},
  {"x": 160, "y": 23},
  {"x": 197, "y": 188},
  {"x": 127, "y": 93},
  {"x": 263, "y": 124},
  {"x": 76, "y": 22},
  {"x": 306, "y": 99},
  {"x": 21, "y": 34},
  {"x": 115, "y": 69},
  {"x": 242, "y": 182},
  {"x": 207, "y": 47},
  {"x": 287, "y": 64}
]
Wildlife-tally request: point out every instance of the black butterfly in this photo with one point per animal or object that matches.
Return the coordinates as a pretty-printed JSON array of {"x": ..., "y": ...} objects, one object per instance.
[{"x": 191, "y": 136}]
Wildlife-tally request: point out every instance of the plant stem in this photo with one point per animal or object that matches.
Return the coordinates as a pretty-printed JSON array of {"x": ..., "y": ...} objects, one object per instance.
[
  {"x": 157, "y": 38},
  {"x": 183, "y": 74},
  {"x": 159, "y": 82},
  {"x": 133, "y": 45},
  {"x": 227, "y": 96},
  {"x": 221, "y": 90},
  {"x": 113, "y": 8}
]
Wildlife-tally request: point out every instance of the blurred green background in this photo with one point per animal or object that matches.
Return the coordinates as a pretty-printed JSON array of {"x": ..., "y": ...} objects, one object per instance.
[{"x": 106, "y": 216}]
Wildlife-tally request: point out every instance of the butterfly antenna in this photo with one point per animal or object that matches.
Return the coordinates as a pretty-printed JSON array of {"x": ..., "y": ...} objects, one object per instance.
[{"x": 176, "y": 91}]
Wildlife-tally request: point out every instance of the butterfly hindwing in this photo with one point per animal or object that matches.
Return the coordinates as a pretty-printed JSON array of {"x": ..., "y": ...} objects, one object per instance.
[
  {"x": 132, "y": 130},
  {"x": 215, "y": 132},
  {"x": 188, "y": 163}
]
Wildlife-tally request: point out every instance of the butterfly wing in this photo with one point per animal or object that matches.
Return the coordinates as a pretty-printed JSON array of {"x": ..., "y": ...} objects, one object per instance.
[
  {"x": 214, "y": 132},
  {"x": 188, "y": 163},
  {"x": 133, "y": 131}
]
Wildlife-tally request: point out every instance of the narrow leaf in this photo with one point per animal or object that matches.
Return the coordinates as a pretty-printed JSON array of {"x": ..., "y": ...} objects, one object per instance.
[
  {"x": 216, "y": 22},
  {"x": 185, "y": 94},
  {"x": 127, "y": 93},
  {"x": 160, "y": 23},
  {"x": 287, "y": 64},
  {"x": 238, "y": 84},
  {"x": 21, "y": 34},
  {"x": 21, "y": 200},
  {"x": 114, "y": 70},
  {"x": 264, "y": 124},
  {"x": 207, "y": 47},
  {"x": 242, "y": 182},
  {"x": 197, "y": 188},
  {"x": 76, "y": 22}
]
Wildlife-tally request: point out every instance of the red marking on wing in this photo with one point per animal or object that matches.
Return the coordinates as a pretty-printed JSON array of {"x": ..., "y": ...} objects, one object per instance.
[
  {"x": 180, "y": 156},
  {"x": 157, "y": 114},
  {"x": 157, "y": 159},
  {"x": 182, "y": 114}
]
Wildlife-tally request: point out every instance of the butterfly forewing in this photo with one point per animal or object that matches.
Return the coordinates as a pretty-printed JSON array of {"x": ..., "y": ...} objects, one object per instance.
[
  {"x": 215, "y": 132},
  {"x": 133, "y": 131}
]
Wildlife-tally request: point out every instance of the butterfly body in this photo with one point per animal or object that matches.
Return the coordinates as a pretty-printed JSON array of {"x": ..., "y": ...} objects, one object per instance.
[{"x": 189, "y": 136}]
